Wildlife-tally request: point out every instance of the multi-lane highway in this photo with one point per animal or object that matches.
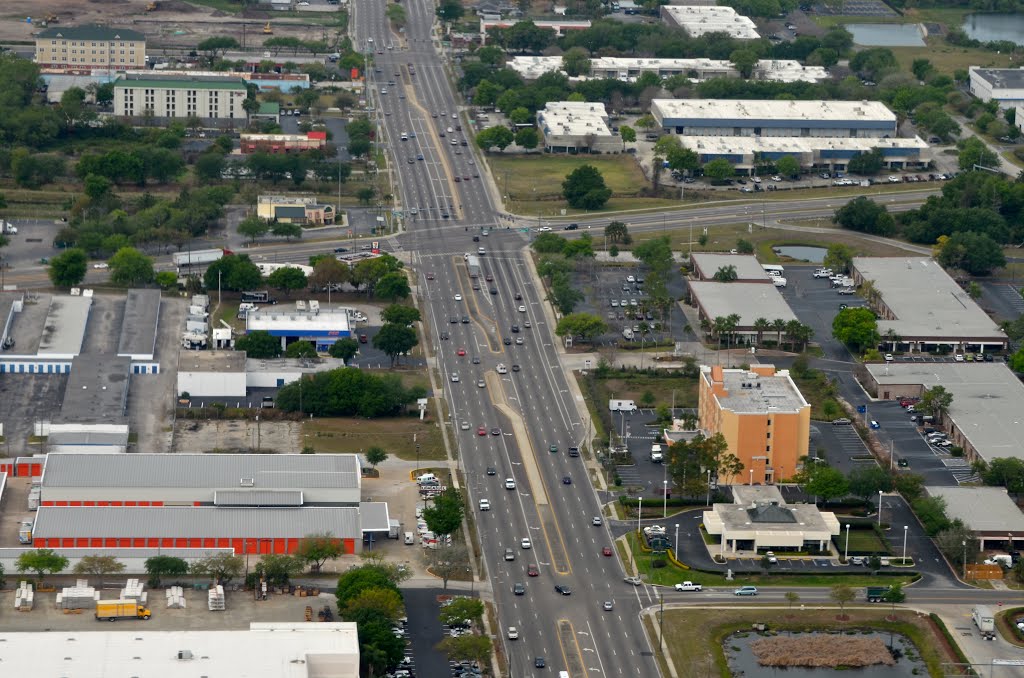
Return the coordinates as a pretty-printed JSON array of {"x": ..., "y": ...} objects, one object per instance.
[{"x": 529, "y": 407}]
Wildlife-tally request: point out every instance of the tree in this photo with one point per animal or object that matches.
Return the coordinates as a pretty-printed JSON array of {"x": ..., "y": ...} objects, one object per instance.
[
  {"x": 856, "y": 327},
  {"x": 383, "y": 601},
  {"x": 234, "y": 272},
  {"x": 866, "y": 164},
  {"x": 447, "y": 561},
  {"x": 287, "y": 278},
  {"x": 788, "y": 166},
  {"x": 826, "y": 482},
  {"x": 259, "y": 344},
  {"x": 209, "y": 167},
  {"x": 300, "y": 349},
  {"x": 344, "y": 349},
  {"x": 400, "y": 315},
  {"x": 584, "y": 188},
  {"x": 726, "y": 274},
  {"x": 317, "y": 549},
  {"x": 42, "y": 562},
  {"x": 865, "y": 215},
  {"x": 164, "y": 566},
  {"x": 950, "y": 541},
  {"x": 587, "y": 326},
  {"x": 495, "y": 137},
  {"x": 838, "y": 257},
  {"x": 286, "y": 231},
  {"x": 100, "y": 566},
  {"x": 719, "y": 169},
  {"x": 73, "y": 108},
  {"x": 393, "y": 286},
  {"x": 1007, "y": 472},
  {"x": 548, "y": 243},
  {"x": 617, "y": 231},
  {"x": 67, "y": 269},
  {"x": 366, "y": 195},
  {"x": 217, "y": 45},
  {"x": 460, "y": 609},
  {"x": 527, "y": 138},
  {"x": 744, "y": 61},
  {"x": 873, "y": 63},
  {"x": 445, "y": 516},
  {"x": 744, "y": 246},
  {"x": 842, "y": 594},
  {"x": 253, "y": 227},
  {"x": 866, "y": 482},
  {"x": 277, "y": 569},
  {"x": 376, "y": 455},
  {"x": 328, "y": 272},
  {"x": 220, "y": 567},
  {"x": 450, "y": 11},
  {"x": 936, "y": 401},
  {"x": 628, "y": 135},
  {"x": 792, "y": 597},
  {"x": 395, "y": 340},
  {"x": 766, "y": 563},
  {"x": 130, "y": 267},
  {"x": 973, "y": 151},
  {"x": 973, "y": 253},
  {"x": 469, "y": 646},
  {"x": 576, "y": 62},
  {"x": 167, "y": 280}
]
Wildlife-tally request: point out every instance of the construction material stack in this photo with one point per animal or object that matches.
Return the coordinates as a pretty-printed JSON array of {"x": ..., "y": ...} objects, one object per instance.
[
  {"x": 24, "y": 597},
  {"x": 133, "y": 590},
  {"x": 81, "y": 596},
  {"x": 176, "y": 597},
  {"x": 215, "y": 598}
]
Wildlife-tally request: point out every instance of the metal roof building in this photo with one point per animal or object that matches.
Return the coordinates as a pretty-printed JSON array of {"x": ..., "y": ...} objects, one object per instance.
[
  {"x": 923, "y": 306},
  {"x": 1005, "y": 85},
  {"x": 200, "y": 479},
  {"x": 629, "y": 69},
  {"x": 246, "y": 530},
  {"x": 64, "y": 329},
  {"x": 322, "y": 328},
  {"x": 987, "y": 511},
  {"x": 138, "y": 331},
  {"x": 698, "y": 20},
  {"x": 748, "y": 300},
  {"x": 810, "y": 151},
  {"x": 265, "y": 650},
  {"x": 706, "y": 264},
  {"x": 772, "y": 118}
]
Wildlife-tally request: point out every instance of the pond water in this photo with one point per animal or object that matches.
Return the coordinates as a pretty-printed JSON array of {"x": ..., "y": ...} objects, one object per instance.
[
  {"x": 814, "y": 255},
  {"x": 887, "y": 35},
  {"x": 989, "y": 27},
  {"x": 742, "y": 662}
]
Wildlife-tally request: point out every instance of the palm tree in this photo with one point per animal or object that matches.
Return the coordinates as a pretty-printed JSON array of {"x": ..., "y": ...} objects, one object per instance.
[
  {"x": 779, "y": 325},
  {"x": 718, "y": 327},
  {"x": 732, "y": 321},
  {"x": 761, "y": 325},
  {"x": 804, "y": 336},
  {"x": 792, "y": 330},
  {"x": 893, "y": 337}
]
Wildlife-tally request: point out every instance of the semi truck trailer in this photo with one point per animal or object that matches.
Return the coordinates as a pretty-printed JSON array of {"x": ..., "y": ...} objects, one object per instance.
[{"x": 199, "y": 257}]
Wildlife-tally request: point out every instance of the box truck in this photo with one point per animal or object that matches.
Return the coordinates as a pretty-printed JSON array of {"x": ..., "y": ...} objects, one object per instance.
[
  {"x": 199, "y": 257},
  {"x": 112, "y": 610},
  {"x": 621, "y": 406},
  {"x": 985, "y": 621},
  {"x": 656, "y": 454}
]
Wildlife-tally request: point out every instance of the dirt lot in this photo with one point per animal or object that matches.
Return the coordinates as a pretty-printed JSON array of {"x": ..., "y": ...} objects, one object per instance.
[
  {"x": 203, "y": 436},
  {"x": 174, "y": 24}
]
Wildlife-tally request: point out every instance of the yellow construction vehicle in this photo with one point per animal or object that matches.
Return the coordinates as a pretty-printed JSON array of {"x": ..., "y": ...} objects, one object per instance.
[
  {"x": 151, "y": 7},
  {"x": 267, "y": 30}
]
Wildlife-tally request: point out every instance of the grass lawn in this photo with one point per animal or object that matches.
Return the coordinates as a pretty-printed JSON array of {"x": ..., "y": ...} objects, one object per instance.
[
  {"x": 539, "y": 177},
  {"x": 864, "y": 541},
  {"x": 694, "y": 637},
  {"x": 819, "y": 392},
  {"x": 633, "y": 387},
  {"x": 395, "y": 435}
]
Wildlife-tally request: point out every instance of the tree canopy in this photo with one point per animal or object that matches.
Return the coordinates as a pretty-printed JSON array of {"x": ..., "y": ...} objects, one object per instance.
[
  {"x": 584, "y": 188},
  {"x": 856, "y": 327},
  {"x": 348, "y": 391}
]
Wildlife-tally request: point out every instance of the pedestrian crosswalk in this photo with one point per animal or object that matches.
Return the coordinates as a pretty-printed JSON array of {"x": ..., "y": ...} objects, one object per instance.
[{"x": 1013, "y": 297}]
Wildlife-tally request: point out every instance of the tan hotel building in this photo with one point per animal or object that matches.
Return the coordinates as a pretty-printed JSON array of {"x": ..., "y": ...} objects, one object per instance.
[
  {"x": 763, "y": 416},
  {"x": 90, "y": 46}
]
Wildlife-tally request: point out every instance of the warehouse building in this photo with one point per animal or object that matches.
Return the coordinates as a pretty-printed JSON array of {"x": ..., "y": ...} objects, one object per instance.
[
  {"x": 831, "y": 153},
  {"x": 559, "y": 26},
  {"x": 763, "y": 417},
  {"x": 139, "y": 330},
  {"x": 748, "y": 300},
  {"x": 759, "y": 519},
  {"x": 228, "y": 374},
  {"x": 212, "y": 480},
  {"x": 246, "y": 530},
  {"x": 93, "y": 416},
  {"x": 90, "y": 46},
  {"x": 1004, "y": 85},
  {"x": 628, "y": 69},
  {"x": 212, "y": 99},
  {"x": 985, "y": 416},
  {"x": 265, "y": 650},
  {"x": 577, "y": 127},
  {"x": 282, "y": 143},
  {"x": 698, "y": 20},
  {"x": 321, "y": 328},
  {"x": 988, "y": 512},
  {"x": 294, "y": 209},
  {"x": 771, "y": 118},
  {"x": 748, "y": 270},
  {"x": 921, "y": 308}
]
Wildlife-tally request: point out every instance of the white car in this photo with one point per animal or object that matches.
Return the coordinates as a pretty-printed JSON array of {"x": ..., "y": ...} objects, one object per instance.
[
  {"x": 959, "y": 357},
  {"x": 544, "y": 229},
  {"x": 771, "y": 557},
  {"x": 485, "y": 505},
  {"x": 464, "y": 426},
  {"x": 502, "y": 369},
  {"x": 513, "y": 633},
  {"x": 522, "y": 309},
  {"x": 893, "y": 179},
  {"x": 510, "y": 483},
  {"x": 630, "y": 279},
  {"x": 455, "y": 378},
  {"x": 101, "y": 265},
  {"x": 458, "y": 297},
  {"x": 526, "y": 543}
]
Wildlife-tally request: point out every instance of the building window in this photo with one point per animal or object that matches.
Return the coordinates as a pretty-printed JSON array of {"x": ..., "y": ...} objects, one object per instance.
[{"x": 769, "y": 435}]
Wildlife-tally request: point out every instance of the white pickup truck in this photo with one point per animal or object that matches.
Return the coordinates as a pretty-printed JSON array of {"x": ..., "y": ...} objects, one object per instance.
[{"x": 688, "y": 586}]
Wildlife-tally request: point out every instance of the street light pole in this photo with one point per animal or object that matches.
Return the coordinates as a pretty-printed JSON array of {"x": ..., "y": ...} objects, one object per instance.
[
  {"x": 846, "y": 551},
  {"x": 879, "y": 508},
  {"x": 664, "y": 489},
  {"x": 905, "y": 527},
  {"x": 965, "y": 559},
  {"x": 708, "y": 502}
]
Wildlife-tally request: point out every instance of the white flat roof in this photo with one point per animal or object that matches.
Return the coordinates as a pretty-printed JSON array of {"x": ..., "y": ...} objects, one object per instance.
[
  {"x": 701, "y": 19},
  {"x": 270, "y": 319},
  {"x": 982, "y": 509},
  {"x": 927, "y": 303},
  {"x": 574, "y": 118},
  {"x": 777, "y": 111},
  {"x": 281, "y": 650},
  {"x": 987, "y": 400},
  {"x": 750, "y": 145},
  {"x": 747, "y": 266},
  {"x": 784, "y": 70},
  {"x": 748, "y": 300}
]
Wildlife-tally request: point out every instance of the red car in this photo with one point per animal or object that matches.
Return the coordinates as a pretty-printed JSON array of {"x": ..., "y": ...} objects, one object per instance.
[
  {"x": 481, "y": 430},
  {"x": 606, "y": 551},
  {"x": 461, "y": 351},
  {"x": 489, "y": 277},
  {"x": 430, "y": 276},
  {"x": 532, "y": 571},
  {"x": 362, "y": 339}
]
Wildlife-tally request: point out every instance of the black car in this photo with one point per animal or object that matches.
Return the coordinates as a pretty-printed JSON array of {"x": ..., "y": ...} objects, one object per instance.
[
  {"x": 339, "y": 250},
  {"x": 476, "y": 238},
  {"x": 454, "y": 320},
  {"x": 495, "y": 431},
  {"x": 567, "y": 480},
  {"x": 494, "y": 290},
  {"x": 515, "y": 368},
  {"x": 491, "y": 471},
  {"x": 515, "y": 328},
  {"x": 519, "y": 297},
  {"x": 518, "y": 589},
  {"x": 563, "y": 589},
  {"x": 572, "y": 227},
  {"x": 476, "y": 360},
  {"x": 444, "y": 336},
  {"x": 507, "y": 341},
  {"x": 539, "y": 662},
  {"x": 465, "y": 320}
]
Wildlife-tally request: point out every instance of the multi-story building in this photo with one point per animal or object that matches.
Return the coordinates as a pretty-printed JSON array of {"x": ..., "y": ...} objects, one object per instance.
[
  {"x": 763, "y": 417},
  {"x": 771, "y": 118},
  {"x": 1005, "y": 85},
  {"x": 211, "y": 99},
  {"x": 90, "y": 46},
  {"x": 574, "y": 126}
]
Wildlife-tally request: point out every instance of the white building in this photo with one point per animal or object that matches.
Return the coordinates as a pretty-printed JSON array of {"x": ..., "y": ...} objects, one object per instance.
[
  {"x": 211, "y": 99},
  {"x": 772, "y": 118},
  {"x": 270, "y": 650},
  {"x": 228, "y": 374},
  {"x": 629, "y": 69},
  {"x": 1005, "y": 85},
  {"x": 322, "y": 328},
  {"x": 575, "y": 126},
  {"x": 700, "y": 19},
  {"x": 759, "y": 518},
  {"x": 559, "y": 26},
  {"x": 833, "y": 153}
]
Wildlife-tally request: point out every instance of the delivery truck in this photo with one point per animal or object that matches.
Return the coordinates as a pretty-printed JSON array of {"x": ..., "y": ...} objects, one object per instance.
[
  {"x": 985, "y": 621},
  {"x": 112, "y": 610},
  {"x": 199, "y": 257},
  {"x": 621, "y": 406}
]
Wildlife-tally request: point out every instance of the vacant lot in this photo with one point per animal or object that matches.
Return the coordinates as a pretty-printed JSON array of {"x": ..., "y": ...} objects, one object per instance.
[
  {"x": 398, "y": 436},
  {"x": 539, "y": 177}
]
